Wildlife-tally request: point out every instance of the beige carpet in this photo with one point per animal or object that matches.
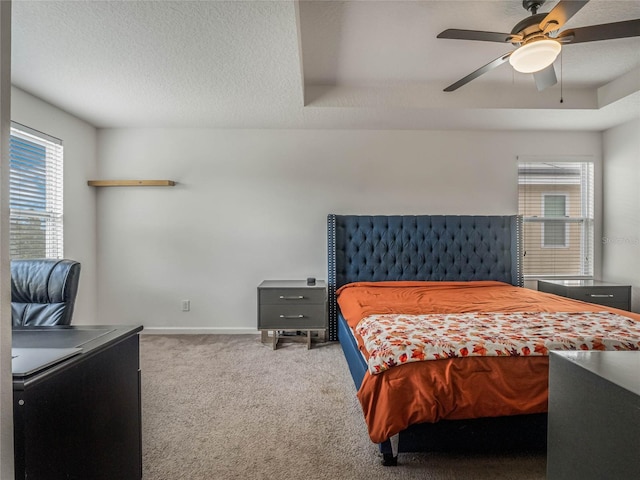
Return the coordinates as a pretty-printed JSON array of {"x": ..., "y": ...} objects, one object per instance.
[{"x": 227, "y": 407}]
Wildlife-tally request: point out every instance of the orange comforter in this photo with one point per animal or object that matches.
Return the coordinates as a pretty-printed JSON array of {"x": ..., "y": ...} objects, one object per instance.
[{"x": 456, "y": 388}]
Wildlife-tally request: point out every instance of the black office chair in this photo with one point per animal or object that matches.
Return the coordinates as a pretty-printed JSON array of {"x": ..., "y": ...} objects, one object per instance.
[{"x": 43, "y": 291}]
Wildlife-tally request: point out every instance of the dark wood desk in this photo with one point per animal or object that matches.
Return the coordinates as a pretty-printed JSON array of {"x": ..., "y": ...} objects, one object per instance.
[
  {"x": 594, "y": 415},
  {"x": 79, "y": 418}
]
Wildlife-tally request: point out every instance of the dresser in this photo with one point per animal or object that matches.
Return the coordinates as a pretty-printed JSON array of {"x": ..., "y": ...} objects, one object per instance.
[
  {"x": 594, "y": 415},
  {"x": 77, "y": 415},
  {"x": 592, "y": 291},
  {"x": 286, "y": 307}
]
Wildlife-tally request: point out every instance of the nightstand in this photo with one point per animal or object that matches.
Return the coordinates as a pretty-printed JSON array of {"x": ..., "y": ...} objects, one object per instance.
[
  {"x": 291, "y": 306},
  {"x": 592, "y": 291}
]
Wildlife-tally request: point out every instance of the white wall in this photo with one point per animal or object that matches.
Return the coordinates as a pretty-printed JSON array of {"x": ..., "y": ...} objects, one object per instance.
[
  {"x": 621, "y": 224},
  {"x": 252, "y": 205},
  {"x": 79, "y": 142}
]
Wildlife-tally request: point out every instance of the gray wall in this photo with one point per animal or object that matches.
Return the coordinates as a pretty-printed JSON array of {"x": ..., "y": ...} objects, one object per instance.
[
  {"x": 79, "y": 143},
  {"x": 621, "y": 224},
  {"x": 6, "y": 390},
  {"x": 252, "y": 204}
]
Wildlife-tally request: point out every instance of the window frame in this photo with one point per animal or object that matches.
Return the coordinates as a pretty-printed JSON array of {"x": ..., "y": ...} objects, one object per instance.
[
  {"x": 555, "y": 219},
  {"x": 36, "y": 189},
  {"x": 533, "y": 173}
]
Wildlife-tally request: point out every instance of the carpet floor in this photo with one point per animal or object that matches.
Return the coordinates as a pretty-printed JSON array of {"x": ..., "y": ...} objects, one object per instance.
[{"x": 220, "y": 407}]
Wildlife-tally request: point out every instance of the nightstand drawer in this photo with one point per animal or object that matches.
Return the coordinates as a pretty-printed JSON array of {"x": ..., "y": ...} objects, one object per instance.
[
  {"x": 592, "y": 291},
  {"x": 611, "y": 297},
  {"x": 283, "y": 317},
  {"x": 289, "y": 296}
]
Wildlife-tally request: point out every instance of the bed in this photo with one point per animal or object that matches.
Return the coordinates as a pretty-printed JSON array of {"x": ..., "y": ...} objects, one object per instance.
[{"x": 387, "y": 274}]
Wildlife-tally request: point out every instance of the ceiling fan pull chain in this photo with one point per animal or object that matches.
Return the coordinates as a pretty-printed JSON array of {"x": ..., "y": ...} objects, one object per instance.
[{"x": 561, "y": 77}]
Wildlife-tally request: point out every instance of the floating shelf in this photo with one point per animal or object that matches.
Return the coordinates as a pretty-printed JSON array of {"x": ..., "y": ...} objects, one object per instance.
[{"x": 131, "y": 183}]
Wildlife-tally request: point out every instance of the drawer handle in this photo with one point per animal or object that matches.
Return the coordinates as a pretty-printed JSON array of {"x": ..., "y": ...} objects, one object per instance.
[
  {"x": 600, "y": 295},
  {"x": 291, "y": 316},
  {"x": 291, "y": 297}
]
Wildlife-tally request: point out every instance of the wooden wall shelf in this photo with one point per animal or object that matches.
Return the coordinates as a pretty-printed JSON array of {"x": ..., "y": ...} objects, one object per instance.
[{"x": 131, "y": 183}]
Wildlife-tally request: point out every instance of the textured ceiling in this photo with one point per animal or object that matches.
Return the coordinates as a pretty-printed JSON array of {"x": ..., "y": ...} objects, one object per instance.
[{"x": 312, "y": 64}]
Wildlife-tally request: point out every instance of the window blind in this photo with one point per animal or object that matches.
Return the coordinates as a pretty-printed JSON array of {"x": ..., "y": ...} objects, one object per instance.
[
  {"x": 556, "y": 201},
  {"x": 35, "y": 194}
]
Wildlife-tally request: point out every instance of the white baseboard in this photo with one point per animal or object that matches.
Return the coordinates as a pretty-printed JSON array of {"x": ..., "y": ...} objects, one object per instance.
[{"x": 199, "y": 331}]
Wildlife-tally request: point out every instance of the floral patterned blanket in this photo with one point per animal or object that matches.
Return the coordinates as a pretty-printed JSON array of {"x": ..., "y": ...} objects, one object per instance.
[{"x": 395, "y": 339}]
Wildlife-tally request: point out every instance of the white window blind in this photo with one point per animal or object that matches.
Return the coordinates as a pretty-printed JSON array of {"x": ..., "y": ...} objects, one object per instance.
[
  {"x": 556, "y": 201},
  {"x": 35, "y": 194}
]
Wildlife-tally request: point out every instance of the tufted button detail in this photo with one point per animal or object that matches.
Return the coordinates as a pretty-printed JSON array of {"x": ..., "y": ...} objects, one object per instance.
[{"x": 427, "y": 247}]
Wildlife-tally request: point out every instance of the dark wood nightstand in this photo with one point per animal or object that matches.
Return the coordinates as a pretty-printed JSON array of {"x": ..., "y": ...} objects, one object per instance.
[
  {"x": 291, "y": 306},
  {"x": 592, "y": 291}
]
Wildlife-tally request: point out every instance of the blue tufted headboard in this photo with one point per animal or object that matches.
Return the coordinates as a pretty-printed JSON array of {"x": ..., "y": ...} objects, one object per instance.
[{"x": 365, "y": 248}]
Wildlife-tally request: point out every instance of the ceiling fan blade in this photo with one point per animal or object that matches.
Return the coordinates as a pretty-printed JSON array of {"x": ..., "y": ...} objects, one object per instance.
[
  {"x": 545, "y": 78},
  {"x": 606, "y": 31},
  {"x": 457, "y": 34},
  {"x": 489, "y": 66},
  {"x": 561, "y": 13}
]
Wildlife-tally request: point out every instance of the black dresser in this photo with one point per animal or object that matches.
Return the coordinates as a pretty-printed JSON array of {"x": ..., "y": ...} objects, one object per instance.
[
  {"x": 594, "y": 415},
  {"x": 77, "y": 414}
]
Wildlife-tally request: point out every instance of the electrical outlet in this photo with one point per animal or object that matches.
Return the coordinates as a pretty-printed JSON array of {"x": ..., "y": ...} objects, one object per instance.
[{"x": 186, "y": 305}]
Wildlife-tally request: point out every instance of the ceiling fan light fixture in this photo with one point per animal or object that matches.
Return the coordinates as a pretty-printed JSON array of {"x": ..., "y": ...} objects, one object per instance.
[{"x": 535, "y": 56}]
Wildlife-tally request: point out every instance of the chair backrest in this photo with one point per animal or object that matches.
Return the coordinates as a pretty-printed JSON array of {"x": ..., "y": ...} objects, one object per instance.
[{"x": 43, "y": 291}]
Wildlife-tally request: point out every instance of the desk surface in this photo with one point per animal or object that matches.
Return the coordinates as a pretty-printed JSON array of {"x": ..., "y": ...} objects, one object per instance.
[
  {"x": 40, "y": 350},
  {"x": 37, "y": 337},
  {"x": 620, "y": 368},
  {"x": 27, "y": 361}
]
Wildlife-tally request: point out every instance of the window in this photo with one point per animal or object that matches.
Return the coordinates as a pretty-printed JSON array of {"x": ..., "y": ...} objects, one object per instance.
[
  {"x": 556, "y": 202},
  {"x": 554, "y": 232},
  {"x": 35, "y": 194}
]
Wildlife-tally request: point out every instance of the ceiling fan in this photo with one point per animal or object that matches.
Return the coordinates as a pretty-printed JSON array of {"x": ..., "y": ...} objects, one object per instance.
[{"x": 539, "y": 40}]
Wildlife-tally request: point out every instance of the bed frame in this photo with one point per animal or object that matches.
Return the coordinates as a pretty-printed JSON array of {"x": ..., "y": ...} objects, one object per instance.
[{"x": 435, "y": 248}]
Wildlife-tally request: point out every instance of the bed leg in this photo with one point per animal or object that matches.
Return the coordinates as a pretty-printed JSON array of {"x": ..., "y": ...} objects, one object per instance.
[
  {"x": 388, "y": 460},
  {"x": 391, "y": 459}
]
